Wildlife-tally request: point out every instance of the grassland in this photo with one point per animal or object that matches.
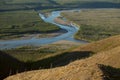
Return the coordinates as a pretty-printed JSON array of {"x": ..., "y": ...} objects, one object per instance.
[
  {"x": 23, "y": 4},
  {"x": 17, "y": 23},
  {"x": 95, "y": 24},
  {"x": 69, "y": 4},
  {"x": 11, "y": 5},
  {"x": 29, "y": 53},
  {"x": 84, "y": 1},
  {"x": 28, "y": 57},
  {"x": 26, "y": 8},
  {"x": 18, "y": 17},
  {"x": 89, "y": 67}
]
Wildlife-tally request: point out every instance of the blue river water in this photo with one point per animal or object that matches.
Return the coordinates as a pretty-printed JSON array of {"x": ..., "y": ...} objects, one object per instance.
[{"x": 8, "y": 44}]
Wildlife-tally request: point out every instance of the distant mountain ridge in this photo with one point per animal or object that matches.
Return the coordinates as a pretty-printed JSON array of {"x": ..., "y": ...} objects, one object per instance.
[{"x": 15, "y": 5}]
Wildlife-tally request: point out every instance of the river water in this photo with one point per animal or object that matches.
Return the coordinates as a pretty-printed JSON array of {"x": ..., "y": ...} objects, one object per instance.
[{"x": 8, "y": 44}]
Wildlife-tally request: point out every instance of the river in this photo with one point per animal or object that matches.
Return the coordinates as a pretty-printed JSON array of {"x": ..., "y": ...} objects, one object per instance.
[{"x": 8, "y": 44}]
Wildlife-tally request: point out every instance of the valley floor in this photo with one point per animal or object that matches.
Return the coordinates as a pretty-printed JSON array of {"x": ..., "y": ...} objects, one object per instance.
[{"x": 95, "y": 24}]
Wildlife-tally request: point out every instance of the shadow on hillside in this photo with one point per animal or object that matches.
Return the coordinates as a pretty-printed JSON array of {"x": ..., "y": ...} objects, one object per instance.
[
  {"x": 10, "y": 65},
  {"x": 59, "y": 60},
  {"x": 110, "y": 73}
]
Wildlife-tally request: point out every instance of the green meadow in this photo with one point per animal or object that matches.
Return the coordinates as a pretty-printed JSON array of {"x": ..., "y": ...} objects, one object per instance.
[
  {"x": 17, "y": 23},
  {"x": 95, "y": 24}
]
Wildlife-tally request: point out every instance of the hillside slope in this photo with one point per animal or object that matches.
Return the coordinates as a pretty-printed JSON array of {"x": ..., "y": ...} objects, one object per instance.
[
  {"x": 5, "y": 59},
  {"x": 92, "y": 68}
]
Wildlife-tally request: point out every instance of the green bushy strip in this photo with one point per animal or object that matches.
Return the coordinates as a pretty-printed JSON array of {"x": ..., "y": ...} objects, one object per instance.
[{"x": 93, "y": 33}]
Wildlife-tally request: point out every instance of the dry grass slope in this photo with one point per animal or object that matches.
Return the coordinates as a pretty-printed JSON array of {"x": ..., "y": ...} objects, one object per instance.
[{"x": 107, "y": 53}]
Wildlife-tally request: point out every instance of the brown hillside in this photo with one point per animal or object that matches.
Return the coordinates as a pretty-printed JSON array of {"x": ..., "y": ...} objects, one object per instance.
[
  {"x": 102, "y": 45},
  {"x": 107, "y": 53}
]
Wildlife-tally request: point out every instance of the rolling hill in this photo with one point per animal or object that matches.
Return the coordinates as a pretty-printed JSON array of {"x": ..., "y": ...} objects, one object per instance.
[{"x": 102, "y": 65}]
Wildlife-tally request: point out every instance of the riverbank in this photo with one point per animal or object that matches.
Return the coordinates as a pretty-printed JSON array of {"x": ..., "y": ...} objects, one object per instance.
[
  {"x": 95, "y": 24},
  {"x": 37, "y": 35},
  {"x": 14, "y": 26},
  {"x": 8, "y": 44},
  {"x": 59, "y": 20}
]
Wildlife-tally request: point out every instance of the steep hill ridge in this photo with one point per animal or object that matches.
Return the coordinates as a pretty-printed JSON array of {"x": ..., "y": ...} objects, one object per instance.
[{"x": 107, "y": 53}]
